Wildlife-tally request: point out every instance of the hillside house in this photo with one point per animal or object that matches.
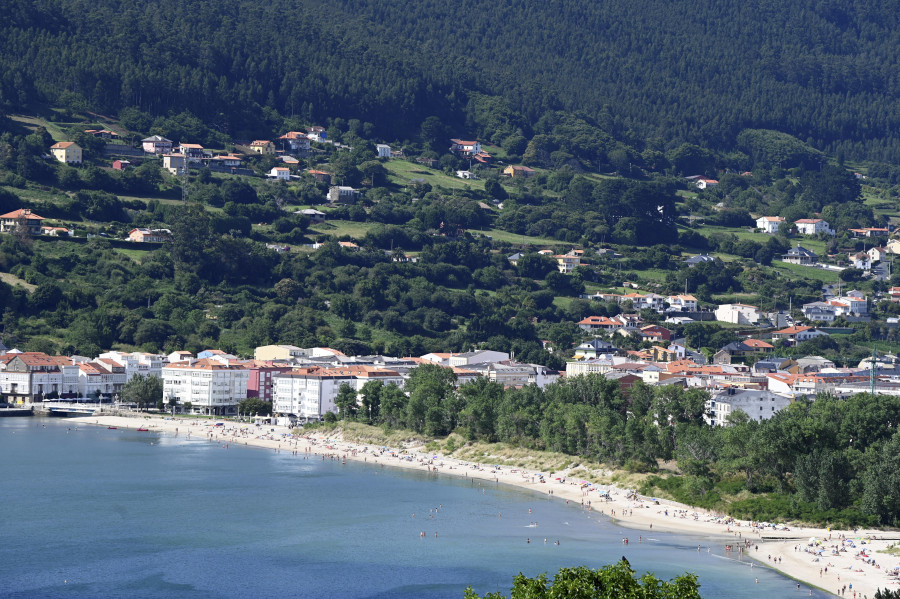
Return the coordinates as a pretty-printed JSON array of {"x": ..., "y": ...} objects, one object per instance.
[
  {"x": 102, "y": 133},
  {"x": 464, "y": 148},
  {"x": 819, "y": 312},
  {"x": 769, "y": 224},
  {"x": 262, "y": 146},
  {"x": 56, "y": 232},
  {"x": 10, "y": 221},
  {"x": 595, "y": 348},
  {"x": 738, "y": 314},
  {"x": 320, "y": 176},
  {"x": 175, "y": 163},
  {"x": 156, "y": 144},
  {"x": 280, "y": 173},
  {"x": 342, "y": 194},
  {"x": 682, "y": 303},
  {"x": 800, "y": 255},
  {"x": 230, "y": 161},
  {"x": 870, "y": 232},
  {"x": 860, "y": 260},
  {"x": 518, "y": 172},
  {"x": 877, "y": 254},
  {"x": 655, "y": 333},
  {"x": 317, "y": 133},
  {"x": 120, "y": 165},
  {"x": 797, "y": 334},
  {"x": 315, "y": 217},
  {"x": 599, "y": 323},
  {"x": 193, "y": 152},
  {"x": 295, "y": 141},
  {"x": 383, "y": 150},
  {"x": 705, "y": 182},
  {"x": 813, "y": 226},
  {"x": 141, "y": 235},
  {"x": 567, "y": 263},
  {"x": 68, "y": 152},
  {"x": 698, "y": 259}
]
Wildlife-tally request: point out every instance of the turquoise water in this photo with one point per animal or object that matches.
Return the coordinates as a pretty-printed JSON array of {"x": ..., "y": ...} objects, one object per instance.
[{"x": 113, "y": 513}]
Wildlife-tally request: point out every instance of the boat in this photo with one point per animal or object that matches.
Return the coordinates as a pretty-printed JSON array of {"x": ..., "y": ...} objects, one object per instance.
[
  {"x": 112, "y": 428},
  {"x": 143, "y": 430}
]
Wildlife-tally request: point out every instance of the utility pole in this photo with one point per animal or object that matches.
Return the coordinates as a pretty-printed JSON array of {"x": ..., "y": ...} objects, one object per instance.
[{"x": 872, "y": 372}]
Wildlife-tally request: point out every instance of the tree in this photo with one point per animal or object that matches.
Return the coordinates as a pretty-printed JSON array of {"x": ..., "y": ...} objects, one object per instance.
[
  {"x": 615, "y": 581},
  {"x": 143, "y": 390},
  {"x": 346, "y": 402},
  {"x": 255, "y": 405}
]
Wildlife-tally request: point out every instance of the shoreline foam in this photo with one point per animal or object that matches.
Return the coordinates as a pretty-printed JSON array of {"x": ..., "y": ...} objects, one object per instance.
[{"x": 787, "y": 551}]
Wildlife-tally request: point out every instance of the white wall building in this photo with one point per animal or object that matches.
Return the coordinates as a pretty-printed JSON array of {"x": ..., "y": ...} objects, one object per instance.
[
  {"x": 307, "y": 394},
  {"x": 738, "y": 314},
  {"x": 813, "y": 226},
  {"x": 136, "y": 363},
  {"x": 210, "y": 386},
  {"x": 758, "y": 405},
  {"x": 769, "y": 224}
]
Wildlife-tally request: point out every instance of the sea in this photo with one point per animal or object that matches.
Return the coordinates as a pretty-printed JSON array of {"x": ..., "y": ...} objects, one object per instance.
[{"x": 92, "y": 512}]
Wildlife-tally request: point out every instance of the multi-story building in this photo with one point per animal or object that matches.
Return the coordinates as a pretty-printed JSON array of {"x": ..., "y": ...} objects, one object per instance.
[
  {"x": 209, "y": 386},
  {"x": 135, "y": 363},
  {"x": 307, "y": 394},
  {"x": 34, "y": 376},
  {"x": 758, "y": 405}
]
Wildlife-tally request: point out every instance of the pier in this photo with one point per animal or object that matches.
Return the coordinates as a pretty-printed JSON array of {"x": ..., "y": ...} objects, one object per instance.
[{"x": 16, "y": 412}]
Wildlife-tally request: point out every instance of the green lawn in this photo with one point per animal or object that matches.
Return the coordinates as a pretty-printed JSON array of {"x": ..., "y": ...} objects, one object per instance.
[
  {"x": 35, "y": 122},
  {"x": 400, "y": 172},
  {"x": 136, "y": 255},
  {"x": 339, "y": 228},
  {"x": 515, "y": 238},
  {"x": 810, "y": 243},
  {"x": 794, "y": 271}
]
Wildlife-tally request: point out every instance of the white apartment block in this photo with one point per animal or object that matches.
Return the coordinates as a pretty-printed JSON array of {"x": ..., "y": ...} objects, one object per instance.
[
  {"x": 758, "y": 405},
  {"x": 209, "y": 386},
  {"x": 307, "y": 394},
  {"x": 136, "y": 363}
]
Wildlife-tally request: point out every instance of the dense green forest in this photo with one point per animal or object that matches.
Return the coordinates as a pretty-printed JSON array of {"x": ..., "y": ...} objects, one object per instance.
[
  {"x": 653, "y": 75},
  {"x": 828, "y": 461}
]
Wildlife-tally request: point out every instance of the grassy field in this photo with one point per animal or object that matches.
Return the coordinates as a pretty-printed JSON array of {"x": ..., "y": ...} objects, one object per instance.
[
  {"x": 400, "y": 172},
  {"x": 810, "y": 243},
  {"x": 136, "y": 255},
  {"x": 515, "y": 238},
  {"x": 339, "y": 228},
  {"x": 794, "y": 271},
  {"x": 35, "y": 122},
  {"x": 13, "y": 280}
]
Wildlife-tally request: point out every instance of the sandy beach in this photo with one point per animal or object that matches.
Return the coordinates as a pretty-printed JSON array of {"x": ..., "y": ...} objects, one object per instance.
[{"x": 836, "y": 561}]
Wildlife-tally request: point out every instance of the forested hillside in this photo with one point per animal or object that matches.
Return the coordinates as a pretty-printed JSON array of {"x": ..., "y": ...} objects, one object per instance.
[{"x": 653, "y": 74}]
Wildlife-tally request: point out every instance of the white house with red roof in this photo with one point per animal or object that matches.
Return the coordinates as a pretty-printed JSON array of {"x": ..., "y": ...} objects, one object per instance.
[
  {"x": 798, "y": 334},
  {"x": 769, "y": 224},
  {"x": 705, "y": 182},
  {"x": 465, "y": 148},
  {"x": 66, "y": 151},
  {"x": 599, "y": 323},
  {"x": 683, "y": 303},
  {"x": 813, "y": 226},
  {"x": 10, "y": 221},
  {"x": 280, "y": 173}
]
